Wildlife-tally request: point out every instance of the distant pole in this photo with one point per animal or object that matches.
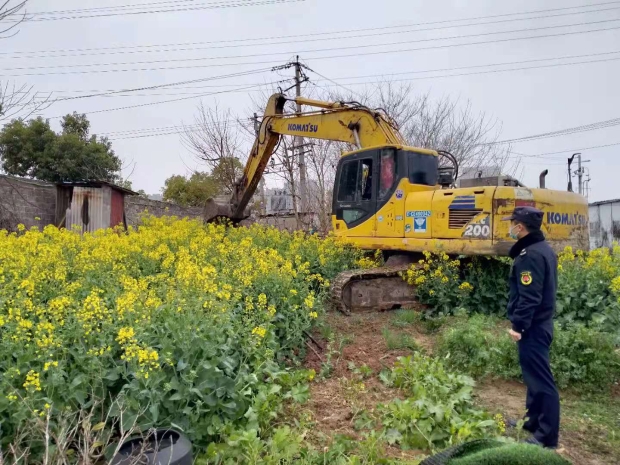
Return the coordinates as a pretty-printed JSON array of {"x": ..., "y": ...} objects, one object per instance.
[
  {"x": 299, "y": 142},
  {"x": 570, "y": 174},
  {"x": 263, "y": 210},
  {"x": 579, "y": 173},
  {"x": 256, "y": 124}
]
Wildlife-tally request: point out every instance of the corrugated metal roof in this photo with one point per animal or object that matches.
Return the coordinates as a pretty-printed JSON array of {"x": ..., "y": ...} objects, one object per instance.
[
  {"x": 603, "y": 202},
  {"x": 97, "y": 184}
]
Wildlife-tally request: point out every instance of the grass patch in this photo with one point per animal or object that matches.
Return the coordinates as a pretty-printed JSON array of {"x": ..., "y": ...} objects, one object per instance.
[
  {"x": 594, "y": 421},
  {"x": 403, "y": 318},
  {"x": 396, "y": 341}
]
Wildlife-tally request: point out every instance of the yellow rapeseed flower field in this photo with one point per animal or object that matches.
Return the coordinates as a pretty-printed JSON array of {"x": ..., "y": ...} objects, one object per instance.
[{"x": 185, "y": 322}]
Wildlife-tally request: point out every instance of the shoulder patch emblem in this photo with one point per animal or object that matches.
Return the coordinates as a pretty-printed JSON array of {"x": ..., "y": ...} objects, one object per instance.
[
  {"x": 526, "y": 278},
  {"x": 523, "y": 252}
]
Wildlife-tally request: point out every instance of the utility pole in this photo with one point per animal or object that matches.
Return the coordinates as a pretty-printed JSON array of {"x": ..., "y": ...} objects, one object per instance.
[
  {"x": 580, "y": 171},
  {"x": 299, "y": 142},
  {"x": 263, "y": 209},
  {"x": 570, "y": 174},
  {"x": 579, "y": 174}
]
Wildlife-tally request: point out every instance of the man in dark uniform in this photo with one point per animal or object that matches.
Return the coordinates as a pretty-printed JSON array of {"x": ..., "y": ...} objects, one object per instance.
[{"x": 531, "y": 307}]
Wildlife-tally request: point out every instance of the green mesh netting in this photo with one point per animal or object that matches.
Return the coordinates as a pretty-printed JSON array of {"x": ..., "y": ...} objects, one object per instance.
[
  {"x": 513, "y": 454},
  {"x": 493, "y": 452}
]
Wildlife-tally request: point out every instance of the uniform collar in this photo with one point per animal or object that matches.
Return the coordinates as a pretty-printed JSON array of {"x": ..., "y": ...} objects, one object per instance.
[{"x": 532, "y": 238}]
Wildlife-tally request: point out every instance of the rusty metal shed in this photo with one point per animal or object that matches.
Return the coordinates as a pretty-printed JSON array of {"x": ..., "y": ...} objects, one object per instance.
[{"x": 91, "y": 205}]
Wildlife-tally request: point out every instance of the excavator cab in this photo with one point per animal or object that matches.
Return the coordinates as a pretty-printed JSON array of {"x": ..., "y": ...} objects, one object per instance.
[{"x": 370, "y": 180}]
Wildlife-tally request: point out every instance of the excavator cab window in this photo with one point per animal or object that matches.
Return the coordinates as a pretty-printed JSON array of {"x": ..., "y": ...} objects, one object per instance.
[
  {"x": 356, "y": 197},
  {"x": 423, "y": 168},
  {"x": 348, "y": 182},
  {"x": 388, "y": 172},
  {"x": 367, "y": 179}
]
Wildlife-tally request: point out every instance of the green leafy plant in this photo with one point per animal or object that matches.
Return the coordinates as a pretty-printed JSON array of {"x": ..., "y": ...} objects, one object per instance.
[
  {"x": 589, "y": 289},
  {"x": 581, "y": 357},
  {"x": 480, "y": 347},
  {"x": 439, "y": 409},
  {"x": 488, "y": 277}
]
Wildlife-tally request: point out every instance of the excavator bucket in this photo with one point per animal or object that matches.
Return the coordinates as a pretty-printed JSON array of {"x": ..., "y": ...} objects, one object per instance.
[{"x": 215, "y": 212}]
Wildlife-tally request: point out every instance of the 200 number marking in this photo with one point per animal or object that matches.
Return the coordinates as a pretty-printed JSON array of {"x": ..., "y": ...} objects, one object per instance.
[{"x": 477, "y": 230}]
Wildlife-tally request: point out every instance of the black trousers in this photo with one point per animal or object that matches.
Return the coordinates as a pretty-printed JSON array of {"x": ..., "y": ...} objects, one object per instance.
[{"x": 543, "y": 400}]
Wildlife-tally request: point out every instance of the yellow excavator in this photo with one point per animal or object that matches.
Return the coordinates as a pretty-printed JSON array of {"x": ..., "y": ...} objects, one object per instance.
[{"x": 401, "y": 200}]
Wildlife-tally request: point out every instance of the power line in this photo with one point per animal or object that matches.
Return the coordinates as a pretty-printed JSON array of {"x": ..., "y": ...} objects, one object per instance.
[
  {"x": 570, "y": 151},
  {"x": 344, "y": 31},
  {"x": 563, "y": 132},
  {"x": 160, "y": 86},
  {"x": 568, "y": 57},
  {"x": 353, "y": 84},
  {"x": 383, "y": 52},
  {"x": 117, "y": 7},
  {"x": 161, "y": 101},
  {"x": 170, "y": 10},
  {"x": 385, "y": 76},
  {"x": 358, "y": 46},
  {"x": 294, "y": 40}
]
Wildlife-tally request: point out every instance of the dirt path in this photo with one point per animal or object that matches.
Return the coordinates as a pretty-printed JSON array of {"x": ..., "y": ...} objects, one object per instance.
[
  {"x": 359, "y": 340},
  {"x": 507, "y": 397}
]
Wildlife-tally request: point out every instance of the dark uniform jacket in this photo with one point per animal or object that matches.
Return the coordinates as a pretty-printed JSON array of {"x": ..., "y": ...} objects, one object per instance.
[{"x": 533, "y": 282}]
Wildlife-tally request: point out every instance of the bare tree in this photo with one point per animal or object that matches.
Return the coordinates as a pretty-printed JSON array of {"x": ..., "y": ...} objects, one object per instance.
[
  {"x": 16, "y": 101},
  {"x": 215, "y": 140},
  {"x": 322, "y": 161},
  {"x": 10, "y": 14},
  {"x": 444, "y": 124}
]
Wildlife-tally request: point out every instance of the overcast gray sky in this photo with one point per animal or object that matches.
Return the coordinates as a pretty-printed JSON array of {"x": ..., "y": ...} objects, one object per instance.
[{"x": 209, "y": 38}]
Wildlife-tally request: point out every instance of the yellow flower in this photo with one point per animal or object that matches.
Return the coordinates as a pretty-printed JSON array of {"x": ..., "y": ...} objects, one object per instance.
[
  {"x": 431, "y": 292},
  {"x": 465, "y": 286},
  {"x": 314, "y": 315},
  {"x": 49, "y": 364},
  {"x": 501, "y": 424},
  {"x": 259, "y": 331},
  {"x": 32, "y": 383},
  {"x": 125, "y": 335}
]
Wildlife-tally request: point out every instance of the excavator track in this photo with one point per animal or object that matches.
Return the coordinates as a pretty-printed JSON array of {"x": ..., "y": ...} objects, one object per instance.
[{"x": 374, "y": 289}]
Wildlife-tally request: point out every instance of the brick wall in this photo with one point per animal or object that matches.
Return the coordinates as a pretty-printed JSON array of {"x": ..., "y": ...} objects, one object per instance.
[
  {"x": 23, "y": 200},
  {"x": 135, "y": 206}
]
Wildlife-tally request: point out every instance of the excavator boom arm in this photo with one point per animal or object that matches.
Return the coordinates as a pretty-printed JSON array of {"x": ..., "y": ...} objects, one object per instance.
[{"x": 336, "y": 121}]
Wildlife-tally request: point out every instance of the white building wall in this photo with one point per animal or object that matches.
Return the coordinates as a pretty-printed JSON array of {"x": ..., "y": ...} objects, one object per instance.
[{"x": 604, "y": 223}]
